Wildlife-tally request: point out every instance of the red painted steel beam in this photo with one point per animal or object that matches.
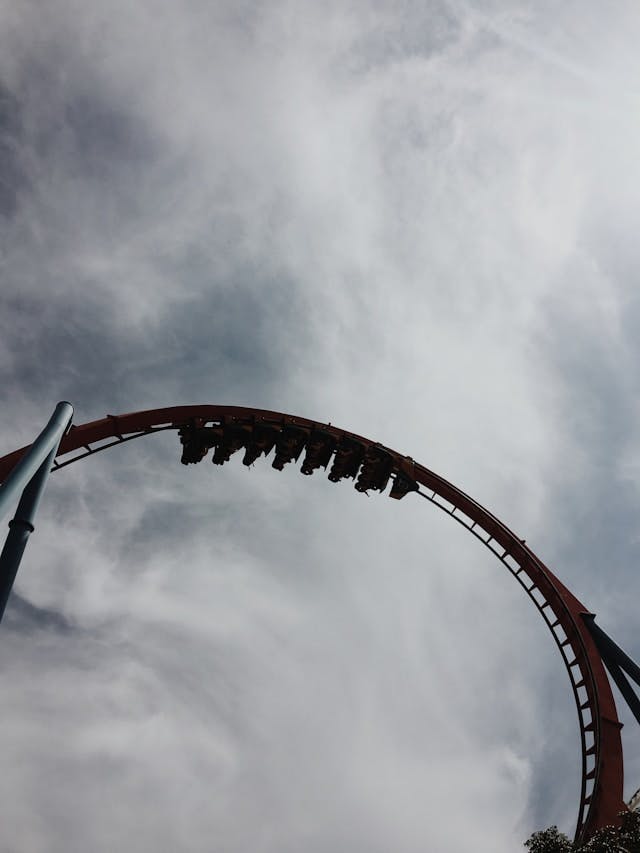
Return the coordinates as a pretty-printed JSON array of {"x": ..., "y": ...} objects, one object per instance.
[{"x": 602, "y": 764}]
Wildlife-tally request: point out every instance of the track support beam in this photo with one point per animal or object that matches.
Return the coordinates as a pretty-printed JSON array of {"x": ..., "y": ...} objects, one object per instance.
[
  {"x": 619, "y": 665},
  {"x": 30, "y": 475}
]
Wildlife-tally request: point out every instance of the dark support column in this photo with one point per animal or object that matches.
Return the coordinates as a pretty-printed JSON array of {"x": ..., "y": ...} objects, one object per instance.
[
  {"x": 20, "y": 527},
  {"x": 613, "y": 651},
  {"x": 619, "y": 665},
  {"x": 29, "y": 477},
  {"x": 622, "y": 683}
]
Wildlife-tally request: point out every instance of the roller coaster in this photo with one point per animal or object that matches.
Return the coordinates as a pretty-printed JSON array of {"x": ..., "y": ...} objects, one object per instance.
[{"x": 587, "y": 651}]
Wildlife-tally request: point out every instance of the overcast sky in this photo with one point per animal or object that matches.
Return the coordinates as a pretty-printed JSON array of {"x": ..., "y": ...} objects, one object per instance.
[{"x": 416, "y": 220}]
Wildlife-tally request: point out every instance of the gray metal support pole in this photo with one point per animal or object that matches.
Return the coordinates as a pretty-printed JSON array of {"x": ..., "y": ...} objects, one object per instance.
[
  {"x": 30, "y": 475},
  {"x": 623, "y": 685},
  {"x": 618, "y": 664},
  {"x": 35, "y": 456},
  {"x": 19, "y": 529},
  {"x": 609, "y": 649}
]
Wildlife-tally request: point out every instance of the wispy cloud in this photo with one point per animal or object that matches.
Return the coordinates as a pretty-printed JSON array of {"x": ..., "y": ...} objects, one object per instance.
[{"x": 415, "y": 221}]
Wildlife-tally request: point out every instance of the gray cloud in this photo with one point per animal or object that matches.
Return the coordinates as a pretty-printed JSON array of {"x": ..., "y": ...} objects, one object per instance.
[{"x": 413, "y": 222}]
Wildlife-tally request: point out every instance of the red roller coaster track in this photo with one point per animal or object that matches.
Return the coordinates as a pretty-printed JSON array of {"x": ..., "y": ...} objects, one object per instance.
[{"x": 601, "y": 795}]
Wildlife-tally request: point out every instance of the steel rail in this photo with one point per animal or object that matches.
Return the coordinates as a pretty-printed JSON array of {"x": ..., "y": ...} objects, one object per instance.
[{"x": 601, "y": 794}]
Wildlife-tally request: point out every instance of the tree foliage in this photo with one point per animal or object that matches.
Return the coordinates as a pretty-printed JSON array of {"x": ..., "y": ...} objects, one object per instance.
[
  {"x": 611, "y": 839},
  {"x": 549, "y": 841}
]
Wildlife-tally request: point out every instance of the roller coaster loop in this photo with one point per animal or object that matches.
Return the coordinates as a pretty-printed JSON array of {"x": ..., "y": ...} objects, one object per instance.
[{"x": 585, "y": 648}]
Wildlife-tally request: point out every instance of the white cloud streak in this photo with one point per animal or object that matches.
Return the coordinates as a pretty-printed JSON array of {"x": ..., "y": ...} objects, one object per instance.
[{"x": 412, "y": 220}]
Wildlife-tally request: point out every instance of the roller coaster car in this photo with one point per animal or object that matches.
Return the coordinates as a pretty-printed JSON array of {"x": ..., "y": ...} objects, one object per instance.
[
  {"x": 194, "y": 445},
  {"x": 320, "y": 447},
  {"x": 262, "y": 441},
  {"x": 376, "y": 470},
  {"x": 234, "y": 436},
  {"x": 402, "y": 485},
  {"x": 347, "y": 460},
  {"x": 289, "y": 445}
]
